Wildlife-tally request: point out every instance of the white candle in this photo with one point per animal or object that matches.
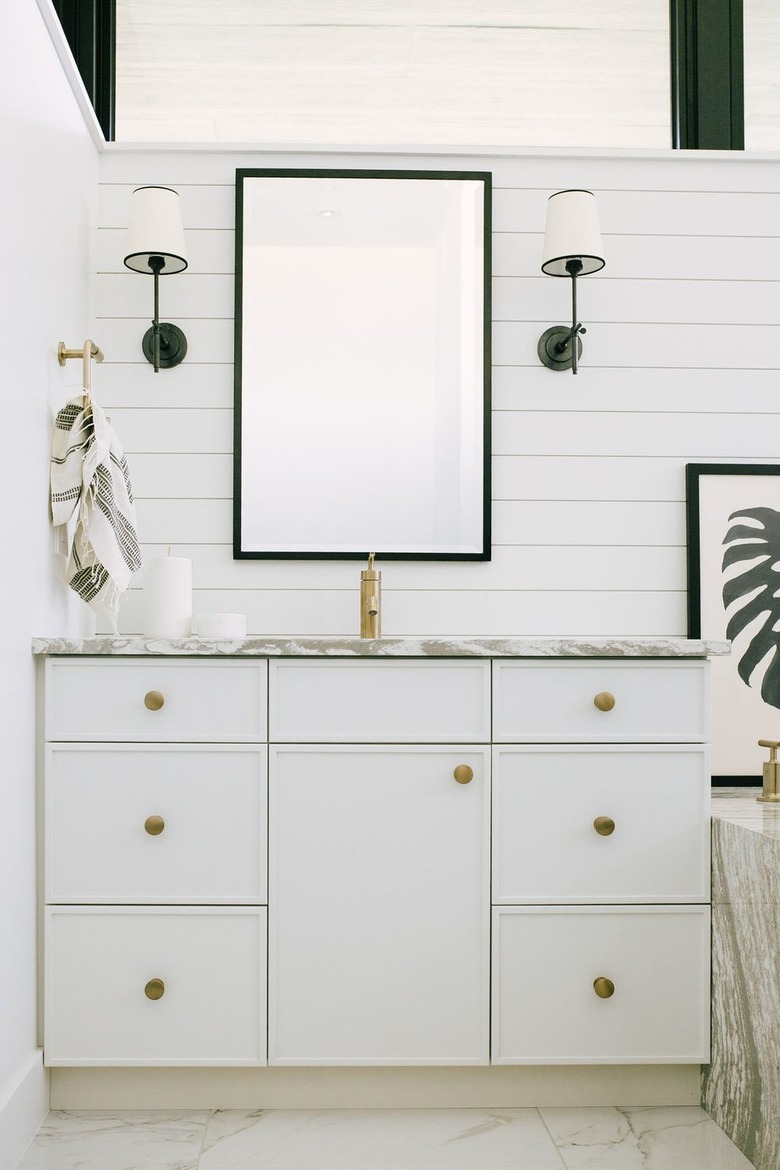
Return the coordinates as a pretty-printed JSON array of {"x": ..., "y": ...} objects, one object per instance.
[
  {"x": 167, "y": 597},
  {"x": 220, "y": 625}
]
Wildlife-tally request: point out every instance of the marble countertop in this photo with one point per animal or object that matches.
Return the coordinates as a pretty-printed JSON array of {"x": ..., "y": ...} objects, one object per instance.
[
  {"x": 413, "y": 647},
  {"x": 739, "y": 807}
]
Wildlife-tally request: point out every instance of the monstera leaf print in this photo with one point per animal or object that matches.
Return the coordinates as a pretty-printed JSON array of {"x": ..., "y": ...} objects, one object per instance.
[{"x": 759, "y": 584}]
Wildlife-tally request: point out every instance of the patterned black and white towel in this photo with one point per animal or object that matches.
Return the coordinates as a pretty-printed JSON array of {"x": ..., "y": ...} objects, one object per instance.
[{"x": 90, "y": 479}]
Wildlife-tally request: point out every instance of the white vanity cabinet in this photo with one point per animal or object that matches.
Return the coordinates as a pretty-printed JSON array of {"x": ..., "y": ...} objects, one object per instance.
[
  {"x": 600, "y": 863},
  {"x": 376, "y": 859},
  {"x": 155, "y": 846},
  {"x": 379, "y": 863}
]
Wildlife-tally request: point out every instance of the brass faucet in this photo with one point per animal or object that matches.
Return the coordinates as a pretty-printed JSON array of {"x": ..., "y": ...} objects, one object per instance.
[
  {"x": 370, "y": 601},
  {"x": 771, "y": 791}
]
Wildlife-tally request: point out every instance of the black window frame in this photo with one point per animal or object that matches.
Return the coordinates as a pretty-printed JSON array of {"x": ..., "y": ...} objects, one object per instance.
[
  {"x": 90, "y": 30},
  {"x": 706, "y": 67},
  {"x": 707, "y": 74}
]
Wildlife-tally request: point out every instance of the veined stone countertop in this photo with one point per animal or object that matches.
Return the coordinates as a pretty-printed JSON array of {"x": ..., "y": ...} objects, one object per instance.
[
  {"x": 738, "y": 806},
  {"x": 413, "y": 647},
  {"x": 740, "y": 1086}
]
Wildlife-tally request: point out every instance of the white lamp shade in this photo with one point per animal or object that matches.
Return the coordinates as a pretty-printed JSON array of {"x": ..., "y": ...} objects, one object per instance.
[
  {"x": 572, "y": 233},
  {"x": 155, "y": 229}
]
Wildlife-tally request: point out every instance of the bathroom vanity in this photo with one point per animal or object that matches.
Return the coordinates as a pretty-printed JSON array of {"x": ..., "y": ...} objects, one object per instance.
[{"x": 400, "y": 852}]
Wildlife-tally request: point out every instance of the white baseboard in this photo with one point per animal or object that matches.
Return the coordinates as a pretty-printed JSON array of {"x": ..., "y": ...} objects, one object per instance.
[
  {"x": 23, "y": 1111},
  {"x": 373, "y": 1088}
]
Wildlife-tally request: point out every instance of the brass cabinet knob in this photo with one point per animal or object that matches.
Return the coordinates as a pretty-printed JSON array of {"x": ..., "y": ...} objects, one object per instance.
[
  {"x": 155, "y": 989},
  {"x": 153, "y": 700},
  {"x": 604, "y": 701},
  {"x": 463, "y": 774},
  {"x": 603, "y": 987},
  {"x": 154, "y": 826},
  {"x": 604, "y": 826}
]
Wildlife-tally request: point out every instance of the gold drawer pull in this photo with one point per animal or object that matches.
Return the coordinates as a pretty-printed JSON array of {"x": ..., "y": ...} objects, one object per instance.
[
  {"x": 463, "y": 774},
  {"x": 604, "y": 701},
  {"x": 603, "y": 987},
  {"x": 153, "y": 700},
  {"x": 154, "y": 826},
  {"x": 604, "y": 826},
  {"x": 155, "y": 989}
]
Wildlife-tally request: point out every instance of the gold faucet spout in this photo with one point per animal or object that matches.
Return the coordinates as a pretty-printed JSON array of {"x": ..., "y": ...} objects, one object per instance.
[{"x": 370, "y": 601}]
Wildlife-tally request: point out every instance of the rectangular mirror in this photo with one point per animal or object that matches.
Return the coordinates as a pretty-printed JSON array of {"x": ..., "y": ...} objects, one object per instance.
[{"x": 362, "y": 364}]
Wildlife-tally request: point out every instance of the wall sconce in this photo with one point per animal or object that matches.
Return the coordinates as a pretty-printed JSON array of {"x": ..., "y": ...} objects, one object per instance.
[
  {"x": 155, "y": 243},
  {"x": 572, "y": 247}
]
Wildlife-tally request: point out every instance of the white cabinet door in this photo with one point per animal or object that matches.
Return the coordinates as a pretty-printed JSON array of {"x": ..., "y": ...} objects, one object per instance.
[
  {"x": 601, "y": 985},
  {"x": 379, "y": 919},
  {"x": 601, "y": 824}
]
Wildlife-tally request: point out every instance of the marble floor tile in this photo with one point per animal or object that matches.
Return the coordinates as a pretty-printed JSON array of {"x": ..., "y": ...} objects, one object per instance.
[
  {"x": 675, "y": 1138},
  {"x": 127, "y": 1140},
  {"x": 406, "y": 1165},
  {"x": 379, "y": 1138}
]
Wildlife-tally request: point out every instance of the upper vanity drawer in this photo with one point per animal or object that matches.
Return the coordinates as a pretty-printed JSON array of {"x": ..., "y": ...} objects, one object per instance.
[
  {"x": 157, "y": 700},
  {"x": 601, "y": 701},
  {"x": 365, "y": 700}
]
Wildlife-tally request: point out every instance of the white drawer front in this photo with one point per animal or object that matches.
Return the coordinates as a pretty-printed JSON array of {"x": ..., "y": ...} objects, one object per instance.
[
  {"x": 600, "y": 824},
  {"x": 555, "y": 701},
  {"x": 99, "y": 963},
  {"x": 92, "y": 699},
  {"x": 545, "y": 963},
  {"x": 105, "y": 841},
  {"x": 391, "y": 701}
]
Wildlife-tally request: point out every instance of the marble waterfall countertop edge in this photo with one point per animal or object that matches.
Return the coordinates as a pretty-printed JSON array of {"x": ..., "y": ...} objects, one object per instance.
[
  {"x": 402, "y": 647},
  {"x": 739, "y": 807}
]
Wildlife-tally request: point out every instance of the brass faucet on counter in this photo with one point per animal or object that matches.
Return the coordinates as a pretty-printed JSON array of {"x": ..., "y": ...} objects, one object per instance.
[
  {"x": 370, "y": 601},
  {"x": 771, "y": 791}
]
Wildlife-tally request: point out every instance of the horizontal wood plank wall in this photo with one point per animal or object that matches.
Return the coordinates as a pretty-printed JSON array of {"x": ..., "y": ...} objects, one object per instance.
[{"x": 681, "y": 364}]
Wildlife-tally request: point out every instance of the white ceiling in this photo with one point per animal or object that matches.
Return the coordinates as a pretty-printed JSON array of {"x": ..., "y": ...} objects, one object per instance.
[{"x": 591, "y": 73}]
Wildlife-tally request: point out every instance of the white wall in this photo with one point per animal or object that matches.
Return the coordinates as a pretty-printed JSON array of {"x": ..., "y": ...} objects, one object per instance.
[
  {"x": 48, "y": 218},
  {"x": 680, "y": 364}
]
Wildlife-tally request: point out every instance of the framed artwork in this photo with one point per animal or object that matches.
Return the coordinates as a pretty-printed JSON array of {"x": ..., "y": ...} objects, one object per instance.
[{"x": 733, "y": 522}]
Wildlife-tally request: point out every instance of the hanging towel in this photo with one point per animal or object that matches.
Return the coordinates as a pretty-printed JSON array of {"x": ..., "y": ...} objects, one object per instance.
[{"x": 89, "y": 478}]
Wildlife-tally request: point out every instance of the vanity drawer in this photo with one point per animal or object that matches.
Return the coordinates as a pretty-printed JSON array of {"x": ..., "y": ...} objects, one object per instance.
[
  {"x": 601, "y": 701},
  {"x": 389, "y": 701},
  {"x": 128, "y": 823},
  {"x": 99, "y": 967},
  {"x": 545, "y": 965},
  {"x": 594, "y": 824},
  {"x": 92, "y": 699}
]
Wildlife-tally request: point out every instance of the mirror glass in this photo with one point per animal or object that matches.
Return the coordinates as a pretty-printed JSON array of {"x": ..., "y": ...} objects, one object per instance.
[{"x": 362, "y": 364}]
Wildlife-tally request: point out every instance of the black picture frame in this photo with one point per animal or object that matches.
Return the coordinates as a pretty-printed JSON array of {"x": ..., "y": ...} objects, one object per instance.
[{"x": 720, "y": 501}]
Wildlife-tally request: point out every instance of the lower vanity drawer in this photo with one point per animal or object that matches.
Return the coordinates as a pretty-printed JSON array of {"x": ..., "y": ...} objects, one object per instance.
[
  {"x": 601, "y": 985},
  {"x": 162, "y": 824},
  {"x": 149, "y": 986},
  {"x": 626, "y": 823}
]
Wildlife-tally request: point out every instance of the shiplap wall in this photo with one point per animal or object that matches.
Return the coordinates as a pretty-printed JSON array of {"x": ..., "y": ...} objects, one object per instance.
[{"x": 681, "y": 364}]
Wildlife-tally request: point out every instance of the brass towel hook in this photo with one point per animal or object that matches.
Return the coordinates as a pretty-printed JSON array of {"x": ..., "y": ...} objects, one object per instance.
[{"x": 86, "y": 353}]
